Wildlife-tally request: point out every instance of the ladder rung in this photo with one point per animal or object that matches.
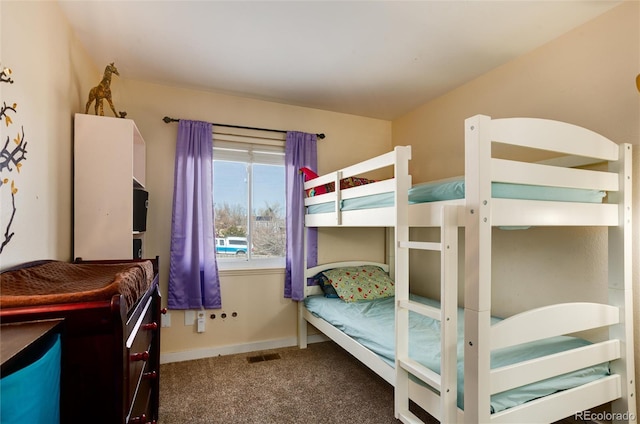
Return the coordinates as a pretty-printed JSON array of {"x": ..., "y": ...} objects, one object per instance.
[
  {"x": 422, "y": 309},
  {"x": 408, "y": 417},
  {"x": 420, "y": 371},
  {"x": 422, "y": 245}
]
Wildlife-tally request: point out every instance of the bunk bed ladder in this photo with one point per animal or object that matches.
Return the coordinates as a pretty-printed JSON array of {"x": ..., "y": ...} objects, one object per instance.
[{"x": 407, "y": 369}]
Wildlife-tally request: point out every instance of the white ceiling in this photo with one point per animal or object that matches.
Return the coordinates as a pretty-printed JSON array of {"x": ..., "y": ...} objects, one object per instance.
[{"x": 378, "y": 59}]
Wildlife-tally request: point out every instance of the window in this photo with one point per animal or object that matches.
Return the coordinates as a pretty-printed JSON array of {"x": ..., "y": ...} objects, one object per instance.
[{"x": 249, "y": 204}]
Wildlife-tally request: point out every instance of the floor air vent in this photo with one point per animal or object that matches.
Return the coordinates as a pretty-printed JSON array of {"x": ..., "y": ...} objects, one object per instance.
[{"x": 261, "y": 358}]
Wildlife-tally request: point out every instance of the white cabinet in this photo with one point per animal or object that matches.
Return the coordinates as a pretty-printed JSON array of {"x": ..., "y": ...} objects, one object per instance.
[{"x": 109, "y": 161}]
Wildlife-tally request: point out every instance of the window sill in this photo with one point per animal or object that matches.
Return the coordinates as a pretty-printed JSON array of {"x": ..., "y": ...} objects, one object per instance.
[
  {"x": 250, "y": 271},
  {"x": 260, "y": 266}
]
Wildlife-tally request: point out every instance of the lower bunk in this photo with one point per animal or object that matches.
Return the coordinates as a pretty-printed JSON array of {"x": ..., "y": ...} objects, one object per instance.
[{"x": 532, "y": 380}]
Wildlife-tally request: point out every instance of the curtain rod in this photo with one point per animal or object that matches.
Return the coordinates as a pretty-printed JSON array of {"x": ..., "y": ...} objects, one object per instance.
[{"x": 167, "y": 120}]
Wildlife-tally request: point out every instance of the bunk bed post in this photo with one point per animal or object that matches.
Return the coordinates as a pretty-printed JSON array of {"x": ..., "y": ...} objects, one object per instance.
[
  {"x": 477, "y": 295},
  {"x": 302, "y": 323},
  {"x": 449, "y": 315},
  {"x": 338, "y": 201},
  {"x": 302, "y": 326},
  {"x": 620, "y": 287},
  {"x": 401, "y": 276}
]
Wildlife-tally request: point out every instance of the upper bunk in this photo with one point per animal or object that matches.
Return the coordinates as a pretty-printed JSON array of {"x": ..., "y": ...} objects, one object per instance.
[{"x": 508, "y": 192}]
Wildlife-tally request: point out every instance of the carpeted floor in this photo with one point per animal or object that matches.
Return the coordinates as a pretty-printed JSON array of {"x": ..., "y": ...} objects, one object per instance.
[{"x": 320, "y": 384}]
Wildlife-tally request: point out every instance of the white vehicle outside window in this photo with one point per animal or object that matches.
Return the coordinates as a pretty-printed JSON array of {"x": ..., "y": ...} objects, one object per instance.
[{"x": 231, "y": 246}]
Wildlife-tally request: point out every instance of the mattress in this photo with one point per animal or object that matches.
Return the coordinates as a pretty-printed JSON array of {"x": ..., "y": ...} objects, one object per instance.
[
  {"x": 56, "y": 282},
  {"x": 454, "y": 189},
  {"x": 371, "y": 323}
]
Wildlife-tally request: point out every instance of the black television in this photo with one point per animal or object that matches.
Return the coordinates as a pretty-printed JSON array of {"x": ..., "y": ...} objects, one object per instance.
[{"x": 140, "y": 206}]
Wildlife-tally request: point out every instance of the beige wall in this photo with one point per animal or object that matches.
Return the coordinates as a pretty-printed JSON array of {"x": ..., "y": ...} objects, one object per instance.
[
  {"x": 586, "y": 77},
  {"x": 263, "y": 315},
  {"x": 52, "y": 75}
]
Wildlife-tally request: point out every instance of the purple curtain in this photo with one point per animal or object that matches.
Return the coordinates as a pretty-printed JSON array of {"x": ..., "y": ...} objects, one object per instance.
[
  {"x": 193, "y": 270},
  {"x": 300, "y": 151}
]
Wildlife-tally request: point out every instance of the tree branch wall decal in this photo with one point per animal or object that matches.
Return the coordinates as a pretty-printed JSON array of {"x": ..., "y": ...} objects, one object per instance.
[{"x": 11, "y": 158}]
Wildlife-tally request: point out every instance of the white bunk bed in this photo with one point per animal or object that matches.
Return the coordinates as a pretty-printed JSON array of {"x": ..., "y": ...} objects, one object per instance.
[{"x": 478, "y": 212}]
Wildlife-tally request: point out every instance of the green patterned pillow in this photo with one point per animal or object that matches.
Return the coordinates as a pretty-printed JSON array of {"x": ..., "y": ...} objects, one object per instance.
[{"x": 360, "y": 283}]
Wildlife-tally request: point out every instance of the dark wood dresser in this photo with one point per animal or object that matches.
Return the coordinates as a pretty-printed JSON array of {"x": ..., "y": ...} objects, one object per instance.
[
  {"x": 110, "y": 355},
  {"x": 142, "y": 361}
]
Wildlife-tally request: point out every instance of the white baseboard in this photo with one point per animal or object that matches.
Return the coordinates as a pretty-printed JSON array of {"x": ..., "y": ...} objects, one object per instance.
[{"x": 189, "y": 355}]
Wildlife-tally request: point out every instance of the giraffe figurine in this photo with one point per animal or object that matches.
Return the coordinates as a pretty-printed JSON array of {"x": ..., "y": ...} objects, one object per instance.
[{"x": 103, "y": 91}]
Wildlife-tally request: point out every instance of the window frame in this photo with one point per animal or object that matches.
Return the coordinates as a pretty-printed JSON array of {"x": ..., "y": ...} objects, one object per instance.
[{"x": 250, "y": 147}]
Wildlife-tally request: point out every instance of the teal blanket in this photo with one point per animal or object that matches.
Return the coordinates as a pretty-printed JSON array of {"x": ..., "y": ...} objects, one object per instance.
[
  {"x": 451, "y": 190},
  {"x": 372, "y": 324}
]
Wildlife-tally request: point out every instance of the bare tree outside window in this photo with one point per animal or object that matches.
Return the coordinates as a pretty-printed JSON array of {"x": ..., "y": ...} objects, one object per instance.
[{"x": 269, "y": 231}]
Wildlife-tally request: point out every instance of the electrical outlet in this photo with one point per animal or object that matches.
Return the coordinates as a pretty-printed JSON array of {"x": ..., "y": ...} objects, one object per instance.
[
  {"x": 189, "y": 317},
  {"x": 201, "y": 321},
  {"x": 165, "y": 320}
]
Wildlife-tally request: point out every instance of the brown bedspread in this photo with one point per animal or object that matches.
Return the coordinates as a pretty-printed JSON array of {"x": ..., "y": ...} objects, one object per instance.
[{"x": 62, "y": 282}]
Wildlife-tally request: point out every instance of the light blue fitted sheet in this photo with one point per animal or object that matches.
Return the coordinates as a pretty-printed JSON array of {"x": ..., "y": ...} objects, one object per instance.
[
  {"x": 451, "y": 190},
  {"x": 372, "y": 324}
]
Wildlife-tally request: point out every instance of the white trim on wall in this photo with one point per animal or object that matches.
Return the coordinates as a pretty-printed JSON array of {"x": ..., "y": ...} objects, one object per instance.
[{"x": 189, "y": 355}]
